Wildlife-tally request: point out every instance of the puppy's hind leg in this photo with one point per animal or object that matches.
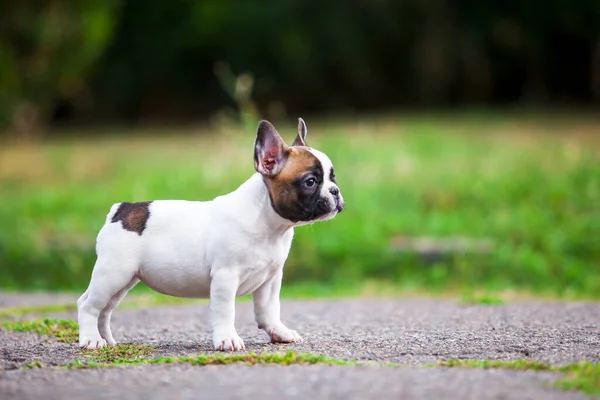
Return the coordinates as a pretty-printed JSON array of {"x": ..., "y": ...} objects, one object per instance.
[
  {"x": 106, "y": 313},
  {"x": 108, "y": 279}
]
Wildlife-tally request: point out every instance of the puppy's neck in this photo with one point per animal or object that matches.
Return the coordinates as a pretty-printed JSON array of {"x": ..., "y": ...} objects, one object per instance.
[{"x": 253, "y": 203}]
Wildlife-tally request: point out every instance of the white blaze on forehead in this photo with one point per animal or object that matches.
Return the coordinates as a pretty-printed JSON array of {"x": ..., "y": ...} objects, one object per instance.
[
  {"x": 327, "y": 182},
  {"x": 325, "y": 163}
]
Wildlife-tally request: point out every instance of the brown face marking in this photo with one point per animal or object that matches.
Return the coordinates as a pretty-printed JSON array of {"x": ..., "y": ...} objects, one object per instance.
[
  {"x": 289, "y": 190},
  {"x": 133, "y": 216}
]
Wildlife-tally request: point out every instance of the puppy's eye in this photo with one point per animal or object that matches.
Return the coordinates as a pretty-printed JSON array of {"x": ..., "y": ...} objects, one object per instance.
[{"x": 310, "y": 182}]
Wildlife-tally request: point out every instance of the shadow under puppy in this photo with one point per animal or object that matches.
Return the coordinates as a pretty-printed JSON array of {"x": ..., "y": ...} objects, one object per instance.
[{"x": 231, "y": 246}]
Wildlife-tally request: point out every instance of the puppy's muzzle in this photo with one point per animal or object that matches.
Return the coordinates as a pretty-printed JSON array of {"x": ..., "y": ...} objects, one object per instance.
[
  {"x": 326, "y": 205},
  {"x": 323, "y": 206},
  {"x": 339, "y": 204}
]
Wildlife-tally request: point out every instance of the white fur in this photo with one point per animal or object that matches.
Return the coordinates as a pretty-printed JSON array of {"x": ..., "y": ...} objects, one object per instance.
[
  {"x": 327, "y": 183},
  {"x": 231, "y": 246}
]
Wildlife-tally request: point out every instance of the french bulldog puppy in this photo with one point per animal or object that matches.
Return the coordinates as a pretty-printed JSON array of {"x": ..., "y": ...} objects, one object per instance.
[{"x": 231, "y": 246}]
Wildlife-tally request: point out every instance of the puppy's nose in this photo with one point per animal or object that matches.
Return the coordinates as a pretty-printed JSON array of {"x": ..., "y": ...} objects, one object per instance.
[{"x": 334, "y": 191}]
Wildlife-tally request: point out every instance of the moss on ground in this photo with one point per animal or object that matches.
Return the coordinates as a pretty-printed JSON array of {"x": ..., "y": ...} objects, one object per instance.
[
  {"x": 123, "y": 355},
  {"x": 34, "y": 364},
  {"x": 120, "y": 354},
  {"x": 521, "y": 365},
  {"x": 65, "y": 331}
]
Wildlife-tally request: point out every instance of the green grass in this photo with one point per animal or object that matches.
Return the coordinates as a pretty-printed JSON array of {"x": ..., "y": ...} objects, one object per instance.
[
  {"x": 535, "y": 198},
  {"x": 132, "y": 354},
  {"x": 60, "y": 330},
  {"x": 34, "y": 364},
  {"x": 148, "y": 299},
  {"x": 521, "y": 365},
  {"x": 583, "y": 376},
  {"x": 120, "y": 354},
  {"x": 288, "y": 358},
  {"x": 11, "y": 312},
  {"x": 484, "y": 299}
]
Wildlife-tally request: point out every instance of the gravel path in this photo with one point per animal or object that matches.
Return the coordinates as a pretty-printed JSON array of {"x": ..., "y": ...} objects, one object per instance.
[
  {"x": 274, "y": 382},
  {"x": 407, "y": 331}
]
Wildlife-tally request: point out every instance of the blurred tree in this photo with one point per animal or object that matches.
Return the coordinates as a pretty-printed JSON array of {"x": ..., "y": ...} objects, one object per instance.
[
  {"x": 361, "y": 55},
  {"x": 47, "y": 48},
  {"x": 156, "y": 59}
]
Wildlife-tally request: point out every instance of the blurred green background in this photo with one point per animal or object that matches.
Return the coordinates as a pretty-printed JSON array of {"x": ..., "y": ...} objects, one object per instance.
[{"x": 465, "y": 134}]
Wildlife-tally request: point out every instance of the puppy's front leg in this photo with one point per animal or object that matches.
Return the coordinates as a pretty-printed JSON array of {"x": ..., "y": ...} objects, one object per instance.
[
  {"x": 267, "y": 311},
  {"x": 223, "y": 288}
]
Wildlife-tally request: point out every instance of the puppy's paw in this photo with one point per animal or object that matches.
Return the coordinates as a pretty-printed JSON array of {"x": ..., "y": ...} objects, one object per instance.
[
  {"x": 282, "y": 334},
  {"x": 228, "y": 341},
  {"x": 88, "y": 343}
]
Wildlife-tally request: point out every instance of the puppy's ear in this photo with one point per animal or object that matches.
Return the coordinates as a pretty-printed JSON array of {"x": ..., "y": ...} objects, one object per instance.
[
  {"x": 301, "y": 136},
  {"x": 270, "y": 151}
]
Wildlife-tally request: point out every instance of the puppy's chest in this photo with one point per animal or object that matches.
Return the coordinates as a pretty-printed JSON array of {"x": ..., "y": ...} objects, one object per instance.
[
  {"x": 265, "y": 257},
  {"x": 264, "y": 261}
]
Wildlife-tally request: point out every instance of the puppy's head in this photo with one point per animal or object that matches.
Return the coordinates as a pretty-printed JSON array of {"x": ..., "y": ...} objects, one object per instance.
[{"x": 300, "y": 180}]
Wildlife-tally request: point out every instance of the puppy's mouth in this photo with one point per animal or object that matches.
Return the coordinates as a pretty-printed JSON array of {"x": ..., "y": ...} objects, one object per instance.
[
  {"x": 324, "y": 210},
  {"x": 319, "y": 216},
  {"x": 329, "y": 215}
]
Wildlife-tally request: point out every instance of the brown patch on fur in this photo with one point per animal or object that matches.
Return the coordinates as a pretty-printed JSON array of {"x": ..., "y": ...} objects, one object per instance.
[
  {"x": 284, "y": 194},
  {"x": 133, "y": 216}
]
